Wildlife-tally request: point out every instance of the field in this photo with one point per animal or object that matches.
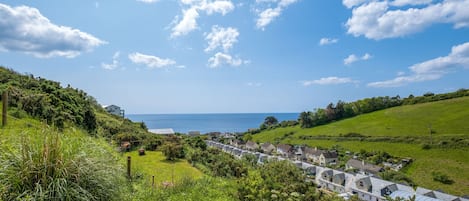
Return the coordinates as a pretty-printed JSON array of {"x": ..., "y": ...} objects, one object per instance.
[
  {"x": 448, "y": 120},
  {"x": 154, "y": 163}
]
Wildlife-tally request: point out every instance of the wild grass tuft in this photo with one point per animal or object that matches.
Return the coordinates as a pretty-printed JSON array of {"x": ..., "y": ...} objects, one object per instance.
[{"x": 48, "y": 165}]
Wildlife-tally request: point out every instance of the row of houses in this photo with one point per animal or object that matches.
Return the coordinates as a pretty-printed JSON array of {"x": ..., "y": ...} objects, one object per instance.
[
  {"x": 301, "y": 153},
  {"x": 366, "y": 187}
]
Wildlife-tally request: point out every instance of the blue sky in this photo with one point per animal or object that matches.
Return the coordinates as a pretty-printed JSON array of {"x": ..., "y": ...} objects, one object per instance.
[{"x": 227, "y": 56}]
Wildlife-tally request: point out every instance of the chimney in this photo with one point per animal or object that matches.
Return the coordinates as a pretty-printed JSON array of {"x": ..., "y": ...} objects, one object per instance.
[{"x": 363, "y": 163}]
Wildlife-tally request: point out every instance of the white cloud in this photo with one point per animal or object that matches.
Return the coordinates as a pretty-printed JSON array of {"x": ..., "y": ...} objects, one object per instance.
[
  {"x": 221, "y": 58},
  {"x": 352, "y": 3},
  {"x": 148, "y": 1},
  {"x": 150, "y": 61},
  {"x": 25, "y": 29},
  {"x": 266, "y": 16},
  {"x": 350, "y": 59},
  {"x": 221, "y": 37},
  {"x": 410, "y": 2},
  {"x": 376, "y": 20},
  {"x": 188, "y": 22},
  {"x": 432, "y": 69},
  {"x": 327, "y": 41},
  {"x": 366, "y": 57},
  {"x": 330, "y": 81},
  {"x": 114, "y": 64},
  {"x": 353, "y": 58}
]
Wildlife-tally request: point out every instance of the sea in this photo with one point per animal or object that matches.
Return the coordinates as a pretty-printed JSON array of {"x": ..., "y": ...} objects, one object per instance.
[{"x": 205, "y": 123}]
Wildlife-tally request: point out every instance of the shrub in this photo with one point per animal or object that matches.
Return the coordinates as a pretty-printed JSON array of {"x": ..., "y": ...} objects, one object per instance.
[
  {"x": 442, "y": 178},
  {"x": 50, "y": 166}
]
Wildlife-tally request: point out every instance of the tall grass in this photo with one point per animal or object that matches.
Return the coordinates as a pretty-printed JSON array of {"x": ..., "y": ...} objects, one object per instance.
[{"x": 48, "y": 165}]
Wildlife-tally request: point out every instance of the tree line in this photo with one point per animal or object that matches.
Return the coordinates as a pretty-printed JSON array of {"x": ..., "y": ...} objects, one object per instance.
[{"x": 342, "y": 110}]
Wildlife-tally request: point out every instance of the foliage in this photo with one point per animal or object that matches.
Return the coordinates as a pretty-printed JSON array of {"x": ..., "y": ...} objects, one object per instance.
[
  {"x": 276, "y": 180},
  {"x": 270, "y": 120},
  {"x": 342, "y": 110},
  {"x": 47, "y": 165},
  {"x": 172, "y": 151},
  {"x": 442, "y": 178},
  {"x": 397, "y": 177},
  {"x": 217, "y": 162},
  {"x": 205, "y": 188}
]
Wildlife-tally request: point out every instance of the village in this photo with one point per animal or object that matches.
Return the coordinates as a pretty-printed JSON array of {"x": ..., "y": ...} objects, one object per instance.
[{"x": 357, "y": 177}]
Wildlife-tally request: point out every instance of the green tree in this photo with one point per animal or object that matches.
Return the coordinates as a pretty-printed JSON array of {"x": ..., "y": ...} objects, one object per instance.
[
  {"x": 173, "y": 151},
  {"x": 270, "y": 121}
]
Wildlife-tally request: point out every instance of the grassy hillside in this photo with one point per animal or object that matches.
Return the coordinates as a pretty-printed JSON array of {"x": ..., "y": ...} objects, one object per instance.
[
  {"x": 400, "y": 131},
  {"x": 448, "y": 117}
]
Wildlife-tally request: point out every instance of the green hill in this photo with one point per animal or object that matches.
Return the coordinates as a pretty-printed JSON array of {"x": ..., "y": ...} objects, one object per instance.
[{"x": 400, "y": 131}]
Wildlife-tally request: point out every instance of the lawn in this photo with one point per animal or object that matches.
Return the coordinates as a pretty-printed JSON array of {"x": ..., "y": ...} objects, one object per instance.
[
  {"x": 154, "y": 163},
  {"x": 446, "y": 118}
]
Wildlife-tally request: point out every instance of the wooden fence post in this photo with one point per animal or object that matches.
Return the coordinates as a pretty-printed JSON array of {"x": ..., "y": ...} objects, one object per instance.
[
  {"x": 128, "y": 167},
  {"x": 153, "y": 181},
  {"x": 5, "y": 108}
]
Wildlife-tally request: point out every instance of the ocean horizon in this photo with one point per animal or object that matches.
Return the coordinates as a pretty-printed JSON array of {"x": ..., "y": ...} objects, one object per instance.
[{"x": 210, "y": 122}]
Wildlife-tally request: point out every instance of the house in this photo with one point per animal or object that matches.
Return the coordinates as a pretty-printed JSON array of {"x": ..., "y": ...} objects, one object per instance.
[
  {"x": 312, "y": 154},
  {"x": 114, "y": 109},
  {"x": 238, "y": 143},
  {"x": 328, "y": 158},
  {"x": 193, "y": 133},
  {"x": 162, "y": 131},
  {"x": 326, "y": 175},
  {"x": 362, "y": 167},
  {"x": 252, "y": 146},
  {"x": 299, "y": 152},
  {"x": 284, "y": 149},
  {"x": 339, "y": 179},
  {"x": 267, "y": 147}
]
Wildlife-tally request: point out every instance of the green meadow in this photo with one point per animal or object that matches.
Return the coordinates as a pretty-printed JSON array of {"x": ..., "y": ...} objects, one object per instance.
[
  {"x": 447, "y": 119},
  {"x": 154, "y": 163}
]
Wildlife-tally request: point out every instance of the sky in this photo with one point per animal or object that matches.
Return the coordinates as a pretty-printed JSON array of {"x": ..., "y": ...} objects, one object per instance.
[{"x": 236, "y": 56}]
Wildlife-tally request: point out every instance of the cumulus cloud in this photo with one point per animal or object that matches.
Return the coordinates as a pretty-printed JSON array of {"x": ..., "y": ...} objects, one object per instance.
[
  {"x": 114, "y": 64},
  {"x": 188, "y": 22},
  {"x": 352, "y": 3},
  {"x": 354, "y": 58},
  {"x": 150, "y": 61},
  {"x": 25, "y": 29},
  {"x": 266, "y": 16},
  {"x": 379, "y": 19},
  {"x": 327, "y": 41},
  {"x": 221, "y": 37},
  {"x": 330, "y": 81},
  {"x": 432, "y": 69},
  {"x": 221, "y": 58},
  {"x": 410, "y": 2}
]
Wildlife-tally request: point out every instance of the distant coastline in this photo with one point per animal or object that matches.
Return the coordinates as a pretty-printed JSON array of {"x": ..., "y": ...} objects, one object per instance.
[{"x": 211, "y": 122}]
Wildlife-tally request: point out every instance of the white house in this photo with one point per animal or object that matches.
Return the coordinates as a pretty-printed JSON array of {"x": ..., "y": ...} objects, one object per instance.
[{"x": 114, "y": 109}]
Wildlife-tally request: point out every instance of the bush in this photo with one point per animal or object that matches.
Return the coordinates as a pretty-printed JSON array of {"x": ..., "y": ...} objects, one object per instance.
[
  {"x": 442, "y": 178},
  {"x": 50, "y": 166}
]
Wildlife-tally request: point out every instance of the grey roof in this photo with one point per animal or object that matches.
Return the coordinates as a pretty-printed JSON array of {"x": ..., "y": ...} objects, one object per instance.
[
  {"x": 330, "y": 154},
  {"x": 364, "y": 166},
  {"x": 284, "y": 147},
  {"x": 407, "y": 195}
]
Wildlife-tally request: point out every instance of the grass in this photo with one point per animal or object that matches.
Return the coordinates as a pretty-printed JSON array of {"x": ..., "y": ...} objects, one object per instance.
[
  {"x": 154, "y": 163},
  {"x": 41, "y": 163},
  {"x": 448, "y": 119}
]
